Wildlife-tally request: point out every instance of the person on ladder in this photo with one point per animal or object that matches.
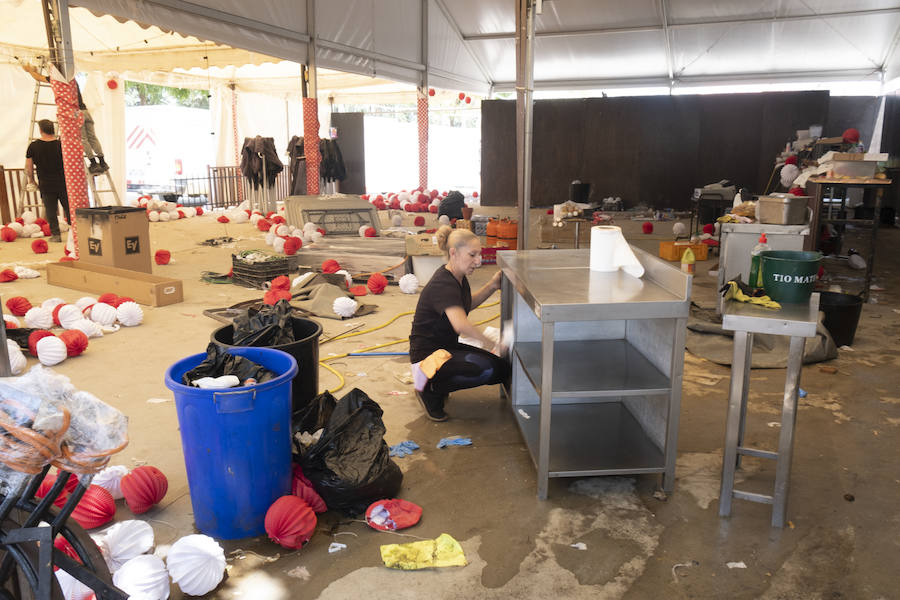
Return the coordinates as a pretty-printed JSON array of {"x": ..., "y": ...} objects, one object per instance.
[
  {"x": 92, "y": 148},
  {"x": 46, "y": 154}
]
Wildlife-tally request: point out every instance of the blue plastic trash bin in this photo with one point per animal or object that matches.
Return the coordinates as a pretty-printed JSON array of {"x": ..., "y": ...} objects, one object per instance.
[{"x": 237, "y": 444}]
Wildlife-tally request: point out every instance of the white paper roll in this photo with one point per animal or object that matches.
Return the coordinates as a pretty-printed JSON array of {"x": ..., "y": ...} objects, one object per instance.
[{"x": 610, "y": 251}]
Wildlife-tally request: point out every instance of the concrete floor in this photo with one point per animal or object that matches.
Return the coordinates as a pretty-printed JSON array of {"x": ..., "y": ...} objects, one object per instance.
[{"x": 638, "y": 546}]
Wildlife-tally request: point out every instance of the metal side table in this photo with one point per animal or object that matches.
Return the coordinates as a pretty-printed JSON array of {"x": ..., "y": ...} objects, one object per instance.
[{"x": 799, "y": 322}]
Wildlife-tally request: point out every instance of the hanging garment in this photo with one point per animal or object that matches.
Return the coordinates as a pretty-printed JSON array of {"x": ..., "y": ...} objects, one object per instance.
[
  {"x": 252, "y": 154},
  {"x": 297, "y": 166}
]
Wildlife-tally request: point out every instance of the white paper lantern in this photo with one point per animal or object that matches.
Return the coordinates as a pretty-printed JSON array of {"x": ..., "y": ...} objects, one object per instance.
[
  {"x": 282, "y": 230},
  {"x": 63, "y": 226},
  {"x": 71, "y": 588},
  {"x": 29, "y": 217},
  {"x": 51, "y": 303},
  {"x": 12, "y": 319},
  {"x": 444, "y": 220},
  {"x": 174, "y": 215},
  {"x": 238, "y": 216},
  {"x": 124, "y": 541},
  {"x": 397, "y": 220},
  {"x": 788, "y": 174},
  {"x": 85, "y": 301},
  {"x": 679, "y": 229},
  {"x": 129, "y": 314},
  {"x": 30, "y": 229},
  {"x": 362, "y": 230},
  {"x": 103, "y": 313},
  {"x": 409, "y": 284},
  {"x": 436, "y": 202},
  {"x": 197, "y": 564},
  {"x": 254, "y": 218},
  {"x": 25, "y": 272},
  {"x": 404, "y": 197},
  {"x": 37, "y": 234},
  {"x": 309, "y": 227},
  {"x": 278, "y": 244},
  {"x": 270, "y": 237},
  {"x": 17, "y": 360},
  {"x": 346, "y": 275},
  {"x": 189, "y": 211},
  {"x": 164, "y": 217},
  {"x": 145, "y": 574},
  {"x": 314, "y": 237},
  {"x": 38, "y": 317},
  {"x": 110, "y": 479},
  {"x": 51, "y": 350},
  {"x": 153, "y": 216},
  {"x": 16, "y": 226},
  {"x": 344, "y": 306},
  {"x": 68, "y": 315}
]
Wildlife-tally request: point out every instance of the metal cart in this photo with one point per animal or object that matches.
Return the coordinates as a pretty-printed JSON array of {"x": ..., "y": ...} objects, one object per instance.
[{"x": 597, "y": 363}]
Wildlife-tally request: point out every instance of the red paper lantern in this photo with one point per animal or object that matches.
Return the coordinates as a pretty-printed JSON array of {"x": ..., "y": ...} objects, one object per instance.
[
  {"x": 199, "y": 210},
  {"x": 329, "y": 266},
  {"x": 791, "y": 160},
  {"x": 45, "y": 229},
  {"x": 647, "y": 227},
  {"x": 320, "y": 230},
  {"x": 850, "y": 136},
  {"x": 474, "y": 194},
  {"x": 108, "y": 298},
  {"x": 112, "y": 84},
  {"x": 292, "y": 244},
  {"x": 709, "y": 228},
  {"x": 8, "y": 234},
  {"x": 263, "y": 225},
  {"x": 377, "y": 282},
  {"x": 272, "y": 297},
  {"x": 76, "y": 341},
  {"x": 66, "y": 259},
  {"x": 122, "y": 300},
  {"x": 462, "y": 95},
  {"x": 359, "y": 290},
  {"x": 431, "y": 91},
  {"x": 143, "y": 487},
  {"x": 39, "y": 246},
  {"x": 181, "y": 214},
  {"x": 63, "y": 545},
  {"x": 34, "y": 337},
  {"x": 468, "y": 100},
  {"x": 40, "y": 222},
  {"x": 10, "y": 324},
  {"x": 311, "y": 497},
  {"x": 370, "y": 232},
  {"x": 96, "y": 508},
  {"x": 279, "y": 219},
  {"x": 282, "y": 282},
  {"x": 419, "y": 221},
  {"x": 7, "y": 275},
  {"x": 290, "y": 522},
  {"x": 797, "y": 191},
  {"x": 162, "y": 257},
  {"x": 298, "y": 477},
  {"x": 402, "y": 513},
  {"x": 48, "y": 482},
  {"x": 56, "y": 313},
  {"x": 223, "y": 219}
]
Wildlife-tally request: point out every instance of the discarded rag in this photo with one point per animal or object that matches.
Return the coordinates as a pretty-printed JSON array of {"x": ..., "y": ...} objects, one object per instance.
[
  {"x": 441, "y": 552},
  {"x": 454, "y": 441},
  {"x": 732, "y": 291},
  {"x": 424, "y": 370},
  {"x": 404, "y": 448}
]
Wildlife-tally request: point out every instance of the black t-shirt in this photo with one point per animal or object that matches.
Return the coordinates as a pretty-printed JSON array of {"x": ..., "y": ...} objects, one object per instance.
[
  {"x": 48, "y": 160},
  {"x": 431, "y": 329}
]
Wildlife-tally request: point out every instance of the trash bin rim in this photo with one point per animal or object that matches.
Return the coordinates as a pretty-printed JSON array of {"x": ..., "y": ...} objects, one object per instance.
[
  {"x": 312, "y": 336},
  {"x": 196, "y": 359}
]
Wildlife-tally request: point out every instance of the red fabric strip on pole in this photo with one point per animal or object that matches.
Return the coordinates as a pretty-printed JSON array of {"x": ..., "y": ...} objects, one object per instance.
[
  {"x": 311, "y": 144},
  {"x": 70, "y": 120},
  {"x": 422, "y": 106}
]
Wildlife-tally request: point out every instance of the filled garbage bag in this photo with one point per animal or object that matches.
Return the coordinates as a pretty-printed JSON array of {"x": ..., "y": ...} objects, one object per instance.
[
  {"x": 218, "y": 362},
  {"x": 271, "y": 326},
  {"x": 350, "y": 466},
  {"x": 452, "y": 205}
]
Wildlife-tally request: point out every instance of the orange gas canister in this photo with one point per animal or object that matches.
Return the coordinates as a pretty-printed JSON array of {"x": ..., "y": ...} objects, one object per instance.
[
  {"x": 491, "y": 232},
  {"x": 507, "y": 233}
]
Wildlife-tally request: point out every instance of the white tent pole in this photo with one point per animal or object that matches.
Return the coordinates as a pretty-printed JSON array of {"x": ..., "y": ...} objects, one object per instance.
[
  {"x": 59, "y": 36},
  {"x": 524, "y": 111}
]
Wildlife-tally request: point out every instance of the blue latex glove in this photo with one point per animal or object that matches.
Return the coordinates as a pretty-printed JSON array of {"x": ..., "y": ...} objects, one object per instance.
[
  {"x": 404, "y": 448},
  {"x": 454, "y": 441},
  {"x": 801, "y": 392}
]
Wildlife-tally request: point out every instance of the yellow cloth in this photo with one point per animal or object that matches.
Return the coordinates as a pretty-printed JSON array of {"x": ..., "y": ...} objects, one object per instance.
[
  {"x": 441, "y": 552},
  {"x": 734, "y": 293},
  {"x": 433, "y": 362}
]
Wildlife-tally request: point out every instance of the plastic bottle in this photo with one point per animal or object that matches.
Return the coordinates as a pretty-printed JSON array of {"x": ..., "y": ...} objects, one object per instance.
[
  {"x": 688, "y": 261},
  {"x": 755, "y": 271}
]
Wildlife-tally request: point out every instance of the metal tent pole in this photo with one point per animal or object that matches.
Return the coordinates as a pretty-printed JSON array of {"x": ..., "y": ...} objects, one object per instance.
[{"x": 524, "y": 111}]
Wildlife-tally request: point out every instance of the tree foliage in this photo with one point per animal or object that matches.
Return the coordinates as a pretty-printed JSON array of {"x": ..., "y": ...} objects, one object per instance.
[{"x": 148, "y": 94}]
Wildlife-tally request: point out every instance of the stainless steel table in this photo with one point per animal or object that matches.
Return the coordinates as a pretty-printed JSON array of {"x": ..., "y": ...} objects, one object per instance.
[
  {"x": 799, "y": 322},
  {"x": 597, "y": 363}
]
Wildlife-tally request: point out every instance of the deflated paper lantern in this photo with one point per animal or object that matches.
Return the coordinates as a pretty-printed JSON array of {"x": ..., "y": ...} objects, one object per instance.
[
  {"x": 344, "y": 306},
  {"x": 223, "y": 219},
  {"x": 67, "y": 315},
  {"x": 309, "y": 495},
  {"x": 143, "y": 577},
  {"x": 144, "y": 487},
  {"x": 39, "y": 318},
  {"x": 39, "y": 246},
  {"x": 358, "y": 290},
  {"x": 18, "y": 305},
  {"x": 376, "y": 283},
  {"x": 88, "y": 327},
  {"x": 110, "y": 479},
  {"x": 7, "y": 275},
  {"x": 50, "y": 350},
  {"x": 347, "y": 277},
  {"x": 329, "y": 266},
  {"x": 196, "y": 563},
  {"x": 409, "y": 284},
  {"x": 162, "y": 257},
  {"x": 76, "y": 341},
  {"x": 17, "y": 360},
  {"x": 8, "y": 234},
  {"x": 129, "y": 314},
  {"x": 103, "y": 313},
  {"x": 290, "y": 522},
  {"x": 124, "y": 541},
  {"x": 96, "y": 508},
  {"x": 393, "y": 514},
  {"x": 71, "y": 588}
]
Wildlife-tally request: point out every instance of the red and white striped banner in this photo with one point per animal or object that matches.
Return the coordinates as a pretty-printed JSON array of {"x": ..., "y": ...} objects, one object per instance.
[
  {"x": 70, "y": 120},
  {"x": 422, "y": 113},
  {"x": 234, "y": 133},
  {"x": 311, "y": 144}
]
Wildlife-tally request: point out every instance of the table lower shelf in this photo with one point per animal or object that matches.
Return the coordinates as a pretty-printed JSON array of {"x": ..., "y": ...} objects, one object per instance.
[{"x": 591, "y": 439}]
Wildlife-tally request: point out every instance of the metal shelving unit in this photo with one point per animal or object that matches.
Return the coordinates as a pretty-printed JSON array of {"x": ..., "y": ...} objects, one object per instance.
[{"x": 597, "y": 363}]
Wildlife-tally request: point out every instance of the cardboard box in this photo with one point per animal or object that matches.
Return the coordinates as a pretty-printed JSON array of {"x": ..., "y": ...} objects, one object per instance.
[
  {"x": 422, "y": 244},
  {"x": 147, "y": 289},
  {"x": 564, "y": 235},
  {"x": 674, "y": 250},
  {"x": 115, "y": 236}
]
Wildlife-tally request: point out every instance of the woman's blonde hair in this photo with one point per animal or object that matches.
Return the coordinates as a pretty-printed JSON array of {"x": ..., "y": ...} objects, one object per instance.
[{"x": 447, "y": 238}]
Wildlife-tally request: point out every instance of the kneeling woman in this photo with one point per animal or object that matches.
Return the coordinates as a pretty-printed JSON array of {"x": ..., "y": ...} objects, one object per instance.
[{"x": 441, "y": 364}]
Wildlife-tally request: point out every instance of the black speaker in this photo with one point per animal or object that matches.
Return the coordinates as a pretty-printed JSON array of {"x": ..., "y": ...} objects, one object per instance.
[{"x": 579, "y": 192}]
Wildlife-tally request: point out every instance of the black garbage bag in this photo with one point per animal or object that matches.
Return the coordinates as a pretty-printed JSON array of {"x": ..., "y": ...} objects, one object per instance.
[
  {"x": 20, "y": 336},
  {"x": 350, "y": 466},
  {"x": 271, "y": 326},
  {"x": 452, "y": 205},
  {"x": 314, "y": 415},
  {"x": 218, "y": 362}
]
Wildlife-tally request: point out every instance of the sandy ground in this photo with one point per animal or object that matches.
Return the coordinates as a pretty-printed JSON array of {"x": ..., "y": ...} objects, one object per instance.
[{"x": 484, "y": 495}]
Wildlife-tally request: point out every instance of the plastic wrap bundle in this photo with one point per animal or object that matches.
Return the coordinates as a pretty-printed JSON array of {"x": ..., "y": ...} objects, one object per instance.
[{"x": 45, "y": 420}]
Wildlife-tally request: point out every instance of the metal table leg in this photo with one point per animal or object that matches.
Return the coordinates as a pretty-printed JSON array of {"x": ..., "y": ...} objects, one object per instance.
[
  {"x": 543, "y": 466},
  {"x": 745, "y": 393},
  {"x": 786, "y": 437},
  {"x": 739, "y": 373}
]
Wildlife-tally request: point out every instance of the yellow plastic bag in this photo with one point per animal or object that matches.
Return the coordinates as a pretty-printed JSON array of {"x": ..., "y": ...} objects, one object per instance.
[{"x": 441, "y": 552}]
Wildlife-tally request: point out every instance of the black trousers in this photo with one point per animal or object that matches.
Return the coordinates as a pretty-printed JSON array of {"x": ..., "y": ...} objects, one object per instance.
[
  {"x": 468, "y": 367},
  {"x": 50, "y": 199}
]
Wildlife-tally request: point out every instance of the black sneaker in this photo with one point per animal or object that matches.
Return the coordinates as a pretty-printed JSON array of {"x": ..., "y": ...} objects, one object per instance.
[
  {"x": 95, "y": 169},
  {"x": 433, "y": 405}
]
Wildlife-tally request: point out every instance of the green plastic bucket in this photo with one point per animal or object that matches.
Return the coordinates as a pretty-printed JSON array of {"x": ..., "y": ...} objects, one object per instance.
[{"x": 789, "y": 275}]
